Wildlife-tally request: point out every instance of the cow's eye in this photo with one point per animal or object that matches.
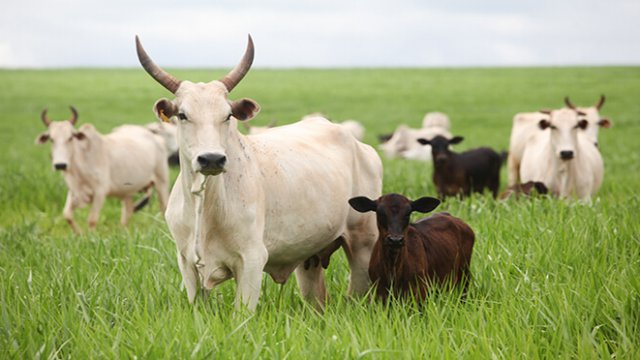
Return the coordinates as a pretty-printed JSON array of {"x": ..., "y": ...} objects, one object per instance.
[
  {"x": 228, "y": 117},
  {"x": 182, "y": 116},
  {"x": 553, "y": 127}
]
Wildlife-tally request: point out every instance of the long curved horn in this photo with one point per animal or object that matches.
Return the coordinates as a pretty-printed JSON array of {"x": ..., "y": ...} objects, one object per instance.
[
  {"x": 74, "y": 116},
  {"x": 45, "y": 118},
  {"x": 569, "y": 103},
  {"x": 600, "y": 102},
  {"x": 164, "y": 78},
  {"x": 234, "y": 76}
]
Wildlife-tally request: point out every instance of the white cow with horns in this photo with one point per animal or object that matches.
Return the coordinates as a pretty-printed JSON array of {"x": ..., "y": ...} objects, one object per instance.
[
  {"x": 120, "y": 164},
  {"x": 242, "y": 205}
]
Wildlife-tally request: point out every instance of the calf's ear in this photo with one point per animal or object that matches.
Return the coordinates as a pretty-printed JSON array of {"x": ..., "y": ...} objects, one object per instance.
[
  {"x": 42, "y": 139},
  {"x": 362, "y": 204},
  {"x": 425, "y": 204},
  {"x": 456, "y": 140},
  {"x": 165, "y": 109},
  {"x": 244, "y": 109},
  {"x": 424, "y": 141}
]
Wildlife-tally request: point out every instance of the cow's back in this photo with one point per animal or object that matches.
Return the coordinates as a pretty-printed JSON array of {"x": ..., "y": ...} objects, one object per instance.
[{"x": 448, "y": 243}]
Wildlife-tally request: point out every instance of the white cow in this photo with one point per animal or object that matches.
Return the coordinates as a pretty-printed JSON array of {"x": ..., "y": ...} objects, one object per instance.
[
  {"x": 120, "y": 164},
  {"x": 436, "y": 119},
  {"x": 246, "y": 204},
  {"x": 558, "y": 156},
  {"x": 403, "y": 143},
  {"x": 354, "y": 127},
  {"x": 526, "y": 124},
  {"x": 168, "y": 131}
]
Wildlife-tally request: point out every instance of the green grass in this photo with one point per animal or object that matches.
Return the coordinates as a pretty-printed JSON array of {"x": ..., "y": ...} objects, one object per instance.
[{"x": 551, "y": 279}]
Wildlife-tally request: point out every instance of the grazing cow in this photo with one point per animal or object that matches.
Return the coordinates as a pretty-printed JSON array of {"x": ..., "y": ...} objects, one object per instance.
[
  {"x": 460, "y": 174},
  {"x": 242, "y": 205},
  {"x": 561, "y": 158},
  {"x": 408, "y": 258},
  {"x": 525, "y": 125},
  {"x": 169, "y": 133},
  {"x": 120, "y": 164},
  {"x": 526, "y": 189}
]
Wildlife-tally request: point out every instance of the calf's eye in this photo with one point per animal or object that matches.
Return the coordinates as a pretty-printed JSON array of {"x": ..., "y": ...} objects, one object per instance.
[{"x": 182, "y": 116}]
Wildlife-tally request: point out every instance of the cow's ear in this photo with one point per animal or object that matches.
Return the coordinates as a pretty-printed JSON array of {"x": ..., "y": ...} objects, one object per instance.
[
  {"x": 79, "y": 135},
  {"x": 165, "y": 109},
  {"x": 425, "y": 204},
  {"x": 456, "y": 140},
  {"x": 543, "y": 124},
  {"x": 244, "y": 109},
  {"x": 605, "y": 123},
  {"x": 42, "y": 138},
  {"x": 362, "y": 204},
  {"x": 424, "y": 141}
]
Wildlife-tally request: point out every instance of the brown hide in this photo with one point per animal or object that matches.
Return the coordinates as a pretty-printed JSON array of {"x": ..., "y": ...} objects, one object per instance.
[{"x": 437, "y": 250}]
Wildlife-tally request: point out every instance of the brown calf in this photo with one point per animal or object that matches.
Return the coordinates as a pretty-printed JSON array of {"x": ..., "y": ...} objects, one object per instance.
[{"x": 408, "y": 258}]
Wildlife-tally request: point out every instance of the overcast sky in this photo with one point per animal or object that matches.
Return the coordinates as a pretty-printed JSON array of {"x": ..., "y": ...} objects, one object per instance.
[{"x": 320, "y": 33}]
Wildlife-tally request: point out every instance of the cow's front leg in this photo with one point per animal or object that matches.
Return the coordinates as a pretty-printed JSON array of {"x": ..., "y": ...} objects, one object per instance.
[
  {"x": 94, "y": 213},
  {"x": 190, "y": 277},
  {"x": 249, "y": 278},
  {"x": 127, "y": 210},
  {"x": 69, "y": 206}
]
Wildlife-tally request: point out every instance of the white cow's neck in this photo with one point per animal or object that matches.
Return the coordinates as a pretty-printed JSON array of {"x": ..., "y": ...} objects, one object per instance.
[{"x": 220, "y": 191}]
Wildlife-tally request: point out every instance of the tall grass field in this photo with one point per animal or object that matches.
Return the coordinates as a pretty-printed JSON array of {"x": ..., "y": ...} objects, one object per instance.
[{"x": 551, "y": 279}]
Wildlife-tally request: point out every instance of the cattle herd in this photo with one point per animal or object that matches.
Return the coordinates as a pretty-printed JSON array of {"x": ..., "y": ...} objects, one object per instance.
[{"x": 282, "y": 199}]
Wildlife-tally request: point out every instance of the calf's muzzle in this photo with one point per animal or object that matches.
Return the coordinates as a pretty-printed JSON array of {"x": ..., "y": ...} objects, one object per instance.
[{"x": 394, "y": 240}]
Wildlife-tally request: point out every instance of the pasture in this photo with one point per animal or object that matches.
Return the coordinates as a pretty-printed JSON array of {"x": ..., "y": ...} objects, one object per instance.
[{"x": 551, "y": 279}]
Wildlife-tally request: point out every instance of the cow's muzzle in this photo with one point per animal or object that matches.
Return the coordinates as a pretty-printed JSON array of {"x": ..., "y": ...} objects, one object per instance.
[
  {"x": 211, "y": 164},
  {"x": 394, "y": 241},
  {"x": 60, "y": 166},
  {"x": 566, "y": 155}
]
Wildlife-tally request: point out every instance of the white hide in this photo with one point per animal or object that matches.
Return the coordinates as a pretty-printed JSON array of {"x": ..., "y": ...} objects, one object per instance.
[
  {"x": 119, "y": 164},
  {"x": 436, "y": 119},
  {"x": 404, "y": 143},
  {"x": 168, "y": 131},
  {"x": 355, "y": 128},
  {"x": 281, "y": 198},
  {"x": 580, "y": 176}
]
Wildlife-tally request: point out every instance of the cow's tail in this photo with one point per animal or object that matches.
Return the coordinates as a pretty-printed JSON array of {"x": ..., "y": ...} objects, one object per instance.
[{"x": 145, "y": 199}]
